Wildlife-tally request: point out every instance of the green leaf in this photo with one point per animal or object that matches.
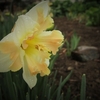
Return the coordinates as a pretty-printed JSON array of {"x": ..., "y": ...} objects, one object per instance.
[
  {"x": 61, "y": 97},
  {"x": 59, "y": 89},
  {"x": 53, "y": 59},
  {"x": 49, "y": 94},
  {"x": 10, "y": 86},
  {"x": 67, "y": 78},
  {"x": 83, "y": 88},
  {"x": 62, "y": 83},
  {"x": 68, "y": 95},
  {"x": 27, "y": 96}
]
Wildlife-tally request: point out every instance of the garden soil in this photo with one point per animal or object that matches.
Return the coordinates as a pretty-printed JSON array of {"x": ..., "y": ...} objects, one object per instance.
[{"x": 90, "y": 36}]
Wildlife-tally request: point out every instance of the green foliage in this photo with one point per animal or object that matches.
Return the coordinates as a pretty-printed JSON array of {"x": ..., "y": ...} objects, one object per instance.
[
  {"x": 91, "y": 4},
  {"x": 72, "y": 44},
  {"x": 64, "y": 8},
  {"x": 12, "y": 86},
  {"x": 56, "y": 8},
  {"x": 77, "y": 7},
  {"x": 93, "y": 16},
  {"x": 88, "y": 12},
  {"x": 60, "y": 8}
]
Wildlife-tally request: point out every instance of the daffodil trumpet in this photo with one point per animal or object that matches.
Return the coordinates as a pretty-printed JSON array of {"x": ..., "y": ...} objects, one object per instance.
[{"x": 29, "y": 45}]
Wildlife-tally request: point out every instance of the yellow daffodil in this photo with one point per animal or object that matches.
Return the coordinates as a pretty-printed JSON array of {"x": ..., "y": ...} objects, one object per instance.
[{"x": 29, "y": 45}]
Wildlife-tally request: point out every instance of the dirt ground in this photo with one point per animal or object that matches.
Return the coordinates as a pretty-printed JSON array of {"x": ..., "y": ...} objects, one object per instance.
[{"x": 90, "y": 36}]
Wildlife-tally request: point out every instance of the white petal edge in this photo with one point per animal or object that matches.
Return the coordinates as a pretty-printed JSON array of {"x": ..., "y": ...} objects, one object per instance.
[
  {"x": 5, "y": 62},
  {"x": 31, "y": 80},
  {"x": 42, "y": 5},
  {"x": 8, "y": 37}
]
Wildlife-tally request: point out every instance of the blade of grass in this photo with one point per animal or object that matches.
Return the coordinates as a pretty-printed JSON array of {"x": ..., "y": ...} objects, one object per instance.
[
  {"x": 49, "y": 93},
  {"x": 62, "y": 96},
  {"x": 62, "y": 84},
  {"x": 59, "y": 89},
  {"x": 83, "y": 88},
  {"x": 67, "y": 78},
  {"x": 16, "y": 90},
  {"x": 53, "y": 61},
  {"x": 10, "y": 85},
  {"x": 68, "y": 95},
  {"x": 27, "y": 96}
]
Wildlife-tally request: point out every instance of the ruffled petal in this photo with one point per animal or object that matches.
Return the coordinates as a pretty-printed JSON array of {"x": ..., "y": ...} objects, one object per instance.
[
  {"x": 42, "y": 6},
  {"x": 38, "y": 62},
  {"x": 51, "y": 39},
  {"x": 24, "y": 27},
  {"x": 28, "y": 77}
]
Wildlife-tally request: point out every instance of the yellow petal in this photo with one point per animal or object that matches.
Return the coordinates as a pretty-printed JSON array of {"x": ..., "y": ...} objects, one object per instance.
[
  {"x": 47, "y": 23},
  {"x": 28, "y": 77},
  {"x": 51, "y": 39},
  {"x": 37, "y": 62},
  {"x": 9, "y": 48},
  {"x": 44, "y": 6}
]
